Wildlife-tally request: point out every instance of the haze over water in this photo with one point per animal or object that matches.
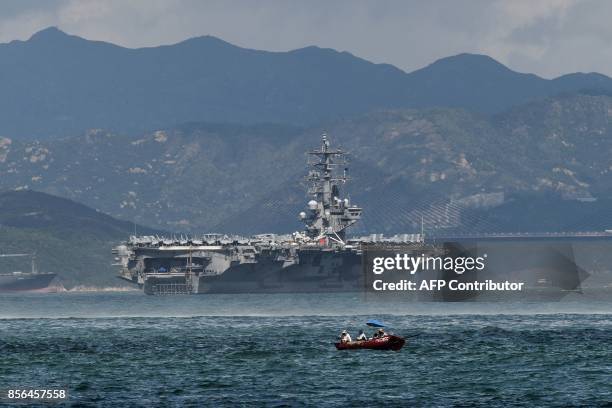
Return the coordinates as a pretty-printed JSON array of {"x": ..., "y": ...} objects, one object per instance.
[{"x": 136, "y": 304}]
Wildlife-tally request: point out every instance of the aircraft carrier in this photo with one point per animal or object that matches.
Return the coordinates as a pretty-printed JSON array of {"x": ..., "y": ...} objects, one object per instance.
[{"x": 321, "y": 258}]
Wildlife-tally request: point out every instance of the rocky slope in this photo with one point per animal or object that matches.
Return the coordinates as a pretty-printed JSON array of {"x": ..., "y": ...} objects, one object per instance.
[{"x": 406, "y": 164}]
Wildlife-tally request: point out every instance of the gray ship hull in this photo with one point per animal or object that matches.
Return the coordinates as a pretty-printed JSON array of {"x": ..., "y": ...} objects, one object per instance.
[
  {"x": 547, "y": 270},
  {"x": 26, "y": 282},
  {"x": 316, "y": 271}
]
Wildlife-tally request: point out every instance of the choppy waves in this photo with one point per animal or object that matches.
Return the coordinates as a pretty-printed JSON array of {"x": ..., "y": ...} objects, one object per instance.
[{"x": 477, "y": 360}]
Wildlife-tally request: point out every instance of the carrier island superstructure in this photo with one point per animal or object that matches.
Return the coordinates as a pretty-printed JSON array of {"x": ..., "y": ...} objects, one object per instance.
[{"x": 322, "y": 257}]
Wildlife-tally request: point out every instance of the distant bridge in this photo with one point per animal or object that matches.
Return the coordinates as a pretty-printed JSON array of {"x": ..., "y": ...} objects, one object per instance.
[{"x": 524, "y": 236}]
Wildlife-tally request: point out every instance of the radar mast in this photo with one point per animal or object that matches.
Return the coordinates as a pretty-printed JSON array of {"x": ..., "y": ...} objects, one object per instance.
[{"x": 328, "y": 215}]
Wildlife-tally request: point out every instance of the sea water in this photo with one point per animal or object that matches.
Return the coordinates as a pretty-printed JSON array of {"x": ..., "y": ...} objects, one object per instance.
[{"x": 128, "y": 349}]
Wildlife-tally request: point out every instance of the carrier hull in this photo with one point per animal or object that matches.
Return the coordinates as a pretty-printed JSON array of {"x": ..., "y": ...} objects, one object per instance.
[
  {"x": 323, "y": 272},
  {"x": 314, "y": 271}
]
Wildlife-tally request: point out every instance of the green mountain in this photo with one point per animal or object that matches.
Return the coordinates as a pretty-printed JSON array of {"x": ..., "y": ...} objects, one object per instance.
[
  {"x": 57, "y": 85},
  {"x": 67, "y": 238}
]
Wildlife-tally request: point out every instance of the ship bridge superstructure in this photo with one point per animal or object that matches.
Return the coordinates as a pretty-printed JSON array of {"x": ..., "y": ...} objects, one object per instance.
[{"x": 329, "y": 214}]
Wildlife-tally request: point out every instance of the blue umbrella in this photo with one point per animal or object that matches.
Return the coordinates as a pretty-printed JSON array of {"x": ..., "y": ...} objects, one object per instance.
[{"x": 375, "y": 323}]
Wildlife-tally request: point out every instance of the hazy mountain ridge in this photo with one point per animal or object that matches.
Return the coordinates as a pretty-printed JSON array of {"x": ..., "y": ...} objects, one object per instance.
[
  {"x": 406, "y": 164},
  {"x": 57, "y": 85}
]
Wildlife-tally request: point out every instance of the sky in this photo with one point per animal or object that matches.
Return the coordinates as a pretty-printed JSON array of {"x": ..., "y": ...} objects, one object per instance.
[{"x": 545, "y": 37}]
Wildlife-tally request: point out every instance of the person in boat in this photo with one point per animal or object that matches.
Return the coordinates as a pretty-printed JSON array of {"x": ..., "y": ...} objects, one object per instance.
[
  {"x": 362, "y": 336},
  {"x": 345, "y": 337},
  {"x": 379, "y": 334}
]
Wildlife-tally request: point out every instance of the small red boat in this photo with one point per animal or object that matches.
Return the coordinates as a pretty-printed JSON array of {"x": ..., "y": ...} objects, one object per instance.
[{"x": 388, "y": 342}]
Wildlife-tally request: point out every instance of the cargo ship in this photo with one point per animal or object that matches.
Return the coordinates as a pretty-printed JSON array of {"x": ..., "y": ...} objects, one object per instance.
[{"x": 32, "y": 281}]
